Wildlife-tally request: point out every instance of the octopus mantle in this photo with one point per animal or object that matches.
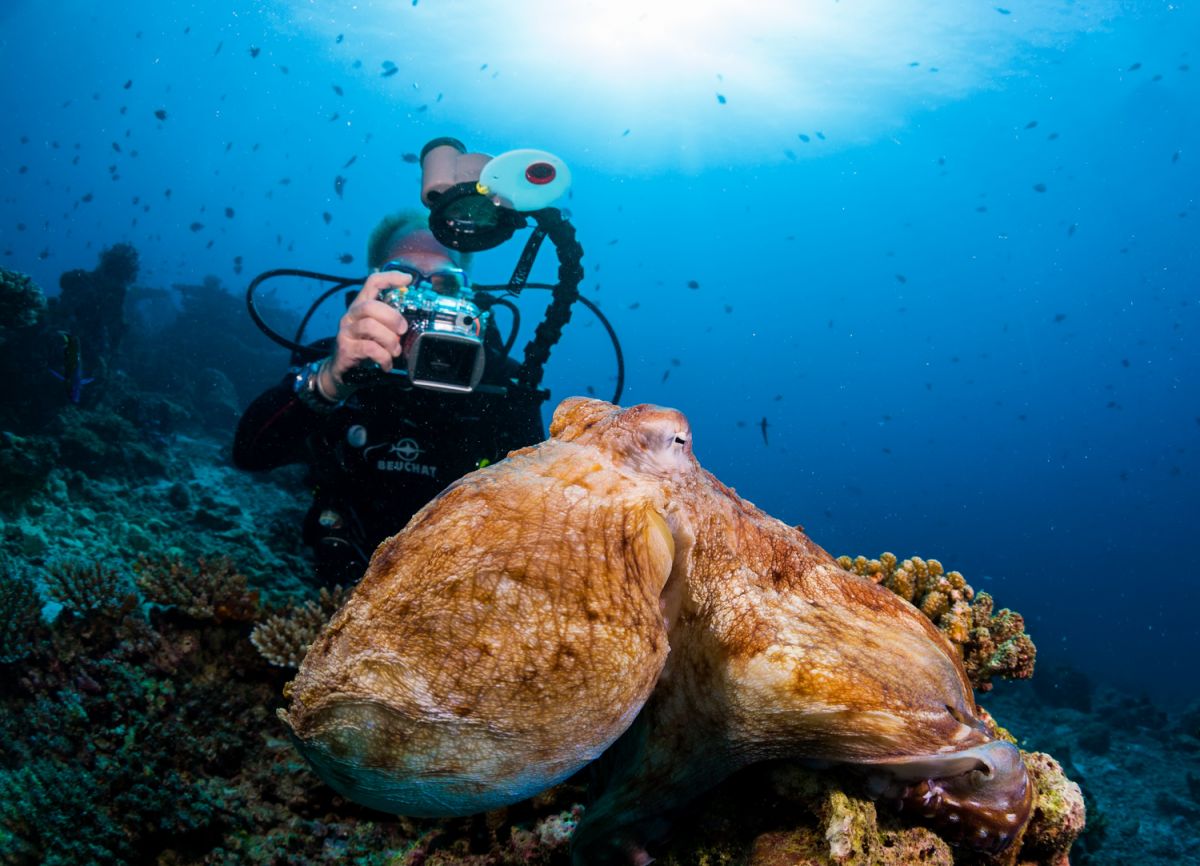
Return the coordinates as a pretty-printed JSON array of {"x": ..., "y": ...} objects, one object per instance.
[{"x": 524, "y": 619}]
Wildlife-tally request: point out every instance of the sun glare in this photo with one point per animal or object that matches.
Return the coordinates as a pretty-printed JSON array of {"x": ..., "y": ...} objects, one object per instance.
[{"x": 696, "y": 82}]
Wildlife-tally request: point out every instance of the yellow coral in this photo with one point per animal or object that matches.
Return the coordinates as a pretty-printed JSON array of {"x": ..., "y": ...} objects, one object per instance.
[{"x": 991, "y": 644}]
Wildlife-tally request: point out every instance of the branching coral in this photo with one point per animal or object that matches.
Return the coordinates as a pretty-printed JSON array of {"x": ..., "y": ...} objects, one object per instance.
[
  {"x": 214, "y": 589},
  {"x": 283, "y": 638},
  {"x": 991, "y": 644},
  {"x": 20, "y": 613},
  {"x": 88, "y": 586}
]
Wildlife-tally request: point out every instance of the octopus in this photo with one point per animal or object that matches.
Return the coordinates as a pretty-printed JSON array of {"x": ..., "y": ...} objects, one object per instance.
[{"x": 600, "y": 593}]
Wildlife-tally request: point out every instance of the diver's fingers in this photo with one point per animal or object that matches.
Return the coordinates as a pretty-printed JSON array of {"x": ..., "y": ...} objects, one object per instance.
[
  {"x": 379, "y": 281},
  {"x": 377, "y": 310},
  {"x": 377, "y": 332},
  {"x": 369, "y": 350}
]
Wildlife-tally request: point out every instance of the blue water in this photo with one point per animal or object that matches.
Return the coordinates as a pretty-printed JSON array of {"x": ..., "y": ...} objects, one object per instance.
[{"x": 966, "y": 305}]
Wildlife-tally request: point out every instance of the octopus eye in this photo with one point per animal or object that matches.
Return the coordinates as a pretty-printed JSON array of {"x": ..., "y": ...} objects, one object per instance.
[{"x": 679, "y": 440}]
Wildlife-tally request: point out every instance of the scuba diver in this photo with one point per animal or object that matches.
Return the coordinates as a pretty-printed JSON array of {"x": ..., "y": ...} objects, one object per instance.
[{"x": 417, "y": 387}]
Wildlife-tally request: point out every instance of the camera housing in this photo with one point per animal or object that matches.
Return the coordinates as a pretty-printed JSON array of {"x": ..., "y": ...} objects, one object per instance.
[{"x": 443, "y": 346}]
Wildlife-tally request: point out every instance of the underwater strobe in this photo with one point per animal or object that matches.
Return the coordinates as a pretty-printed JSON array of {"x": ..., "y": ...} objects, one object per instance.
[{"x": 476, "y": 202}]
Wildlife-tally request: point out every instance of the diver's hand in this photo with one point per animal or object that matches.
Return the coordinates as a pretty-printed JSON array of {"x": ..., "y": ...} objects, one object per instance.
[{"x": 370, "y": 331}]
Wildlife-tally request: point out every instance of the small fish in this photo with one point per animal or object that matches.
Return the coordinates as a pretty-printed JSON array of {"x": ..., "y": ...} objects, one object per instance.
[
  {"x": 591, "y": 391},
  {"x": 1175, "y": 156},
  {"x": 1059, "y": 317},
  {"x": 411, "y": 158},
  {"x": 388, "y": 73},
  {"x": 1135, "y": 67},
  {"x": 1003, "y": 11},
  {"x": 337, "y": 90},
  {"x": 350, "y": 161},
  {"x": 728, "y": 308},
  {"x": 328, "y": 217},
  {"x": 283, "y": 69},
  {"x": 625, "y": 133},
  {"x": 804, "y": 138},
  {"x": 1031, "y": 124},
  {"x": 900, "y": 278},
  {"x": 229, "y": 213},
  {"x": 345, "y": 258},
  {"x": 339, "y": 39},
  {"x": 196, "y": 226},
  {"x": 693, "y": 284},
  {"x": 666, "y": 375},
  {"x": 72, "y": 375},
  {"x": 254, "y": 50},
  {"x": 1039, "y": 187},
  {"x": 161, "y": 113},
  {"x": 635, "y": 305},
  {"x": 128, "y": 84},
  {"x": 762, "y": 425},
  {"x": 720, "y": 99},
  {"x": 220, "y": 45},
  {"x": 339, "y": 184}
]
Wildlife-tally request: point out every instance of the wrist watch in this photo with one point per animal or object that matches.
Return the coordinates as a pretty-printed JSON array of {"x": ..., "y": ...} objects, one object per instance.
[{"x": 308, "y": 391}]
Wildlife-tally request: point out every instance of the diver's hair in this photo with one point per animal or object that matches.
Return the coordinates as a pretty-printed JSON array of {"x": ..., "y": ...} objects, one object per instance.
[{"x": 380, "y": 242}]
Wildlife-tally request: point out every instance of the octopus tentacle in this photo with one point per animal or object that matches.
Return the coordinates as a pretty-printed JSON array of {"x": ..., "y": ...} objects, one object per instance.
[{"x": 983, "y": 808}]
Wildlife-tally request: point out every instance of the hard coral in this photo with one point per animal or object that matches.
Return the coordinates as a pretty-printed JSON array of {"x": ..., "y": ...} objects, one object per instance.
[
  {"x": 1059, "y": 815},
  {"x": 991, "y": 644},
  {"x": 283, "y": 638},
  {"x": 20, "y": 613},
  {"x": 214, "y": 589},
  {"x": 87, "y": 586},
  {"x": 997, "y": 645}
]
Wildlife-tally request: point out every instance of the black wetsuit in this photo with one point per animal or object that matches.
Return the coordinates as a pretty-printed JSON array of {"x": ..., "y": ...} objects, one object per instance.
[{"x": 389, "y": 450}]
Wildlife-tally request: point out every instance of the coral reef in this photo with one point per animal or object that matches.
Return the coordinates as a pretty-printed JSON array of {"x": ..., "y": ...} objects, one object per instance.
[
  {"x": 21, "y": 303},
  {"x": 220, "y": 360},
  {"x": 24, "y": 465},
  {"x": 81, "y": 586},
  {"x": 1059, "y": 815},
  {"x": 996, "y": 645},
  {"x": 992, "y": 644},
  {"x": 283, "y": 638},
  {"x": 92, "y": 303},
  {"x": 20, "y": 612},
  {"x": 214, "y": 589}
]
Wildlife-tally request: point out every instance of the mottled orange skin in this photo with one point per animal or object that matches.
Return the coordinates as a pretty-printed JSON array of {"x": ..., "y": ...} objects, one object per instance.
[{"x": 521, "y": 620}]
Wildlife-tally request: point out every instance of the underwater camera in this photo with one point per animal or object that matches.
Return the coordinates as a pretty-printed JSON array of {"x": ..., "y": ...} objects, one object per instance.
[
  {"x": 476, "y": 202},
  {"x": 443, "y": 346}
]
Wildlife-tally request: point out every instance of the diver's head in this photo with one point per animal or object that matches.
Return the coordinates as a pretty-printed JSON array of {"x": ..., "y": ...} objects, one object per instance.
[{"x": 405, "y": 237}]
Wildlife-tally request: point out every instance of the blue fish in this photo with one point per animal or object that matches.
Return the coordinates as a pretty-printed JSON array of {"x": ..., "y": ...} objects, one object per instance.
[{"x": 72, "y": 374}]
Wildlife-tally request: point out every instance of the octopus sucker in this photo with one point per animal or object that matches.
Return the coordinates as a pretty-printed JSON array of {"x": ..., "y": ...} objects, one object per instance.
[{"x": 601, "y": 592}]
